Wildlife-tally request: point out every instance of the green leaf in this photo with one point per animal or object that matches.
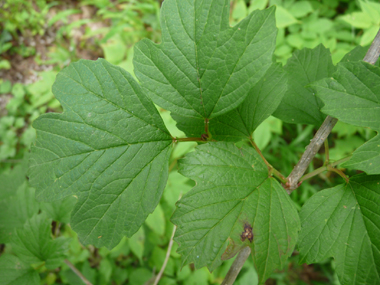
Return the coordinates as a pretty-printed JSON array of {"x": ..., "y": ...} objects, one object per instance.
[
  {"x": 17, "y": 202},
  {"x": 342, "y": 222},
  {"x": 110, "y": 148},
  {"x": 372, "y": 10},
  {"x": 114, "y": 49},
  {"x": 204, "y": 68},
  {"x": 284, "y": 18},
  {"x": 176, "y": 187},
  {"x": 301, "y": 9},
  {"x": 156, "y": 221},
  {"x": 59, "y": 211},
  {"x": 15, "y": 210},
  {"x": 257, "y": 4},
  {"x": 358, "y": 53},
  {"x": 136, "y": 243},
  {"x": 352, "y": 95},
  {"x": 366, "y": 157},
  {"x": 12, "y": 180},
  {"x": 369, "y": 35},
  {"x": 198, "y": 277},
  {"x": 262, "y": 100},
  {"x": 262, "y": 135},
  {"x": 299, "y": 104},
  {"x": 33, "y": 243},
  {"x": 156, "y": 260},
  {"x": 233, "y": 191},
  {"x": 140, "y": 276},
  {"x": 358, "y": 20},
  {"x": 239, "y": 10},
  {"x": 14, "y": 272}
]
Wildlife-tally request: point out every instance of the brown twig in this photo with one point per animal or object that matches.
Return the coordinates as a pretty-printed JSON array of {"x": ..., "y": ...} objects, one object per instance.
[
  {"x": 373, "y": 52},
  {"x": 236, "y": 266},
  {"x": 312, "y": 149},
  {"x": 77, "y": 272}
]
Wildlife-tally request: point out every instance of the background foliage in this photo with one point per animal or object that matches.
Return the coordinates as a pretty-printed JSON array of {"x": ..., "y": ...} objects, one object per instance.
[{"x": 38, "y": 38}]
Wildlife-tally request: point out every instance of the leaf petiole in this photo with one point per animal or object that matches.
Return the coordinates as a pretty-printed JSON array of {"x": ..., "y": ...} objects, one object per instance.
[
  {"x": 328, "y": 167},
  {"x": 327, "y": 158},
  {"x": 201, "y": 139},
  {"x": 272, "y": 171}
]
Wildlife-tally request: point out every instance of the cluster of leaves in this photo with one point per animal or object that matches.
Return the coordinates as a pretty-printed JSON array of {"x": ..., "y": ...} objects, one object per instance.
[
  {"x": 122, "y": 23},
  {"x": 25, "y": 227},
  {"x": 25, "y": 105},
  {"x": 310, "y": 23},
  {"x": 134, "y": 260},
  {"x": 367, "y": 19},
  {"x": 21, "y": 18},
  {"x": 111, "y": 149},
  {"x": 146, "y": 246}
]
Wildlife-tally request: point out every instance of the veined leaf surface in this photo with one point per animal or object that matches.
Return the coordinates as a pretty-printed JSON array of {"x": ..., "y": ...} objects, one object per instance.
[
  {"x": 262, "y": 100},
  {"x": 33, "y": 243},
  {"x": 17, "y": 202},
  {"x": 13, "y": 271},
  {"x": 233, "y": 192},
  {"x": 352, "y": 95},
  {"x": 300, "y": 105},
  {"x": 343, "y": 222},
  {"x": 204, "y": 68},
  {"x": 109, "y": 148}
]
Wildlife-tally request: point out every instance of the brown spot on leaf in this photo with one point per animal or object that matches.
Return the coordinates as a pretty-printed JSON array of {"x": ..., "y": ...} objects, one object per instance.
[{"x": 247, "y": 233}]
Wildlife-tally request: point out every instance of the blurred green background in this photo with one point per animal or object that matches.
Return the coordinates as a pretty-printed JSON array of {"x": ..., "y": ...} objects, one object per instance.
[{"x": 40, "y": 37}]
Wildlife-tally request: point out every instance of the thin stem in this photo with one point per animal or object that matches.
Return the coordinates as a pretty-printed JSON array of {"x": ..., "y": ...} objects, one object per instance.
[
  {"x": 327, "y": 155},
  {"x": 189, "y": 140},
  {"x": 271, "y": 169},
  {"x": 77, "y": 272},
  {"x": 277, "y": 174},
  {"x": 166, "y": 258},
  {"x": 259, "y": 152},
  {"x": 171, "y": 166},
  {"x": 206, "y": 126},
  {"x": 57, "y": 228},
  {"x": 40, "y": 266},
  {"x": 339, "y": 172},
  {"x": 236, "y": 266},
  {"x": 323, "y": 168}
]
